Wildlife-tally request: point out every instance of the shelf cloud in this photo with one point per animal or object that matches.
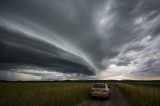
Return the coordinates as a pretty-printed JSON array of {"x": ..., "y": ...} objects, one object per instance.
[{"x": 79, "y": 39}]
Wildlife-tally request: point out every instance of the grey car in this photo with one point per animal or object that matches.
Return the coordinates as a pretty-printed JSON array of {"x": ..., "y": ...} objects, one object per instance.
[{"x": 100, "y": 90}]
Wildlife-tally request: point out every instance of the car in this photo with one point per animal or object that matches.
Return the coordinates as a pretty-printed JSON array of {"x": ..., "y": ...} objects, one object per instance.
[{"x": 100, "y": 90}]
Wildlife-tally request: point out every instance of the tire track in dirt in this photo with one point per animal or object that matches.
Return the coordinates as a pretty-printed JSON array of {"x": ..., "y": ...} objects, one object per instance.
[{"x": 117, "y": 99}]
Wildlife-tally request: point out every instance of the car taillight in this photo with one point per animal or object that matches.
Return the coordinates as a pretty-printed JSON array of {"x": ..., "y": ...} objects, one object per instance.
[
  {"x": 104, "y": 90},
  {"x": 92, "y": 90}
]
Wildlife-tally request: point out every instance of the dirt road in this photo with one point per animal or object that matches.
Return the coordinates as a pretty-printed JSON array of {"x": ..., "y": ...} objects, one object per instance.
[{"x": 117, "y": 99}]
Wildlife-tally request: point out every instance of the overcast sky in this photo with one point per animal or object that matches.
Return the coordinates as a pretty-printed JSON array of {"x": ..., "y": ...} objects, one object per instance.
[{"x": 79, "y": 39}]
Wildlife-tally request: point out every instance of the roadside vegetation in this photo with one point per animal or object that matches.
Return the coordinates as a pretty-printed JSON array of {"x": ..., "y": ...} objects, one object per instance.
[
  {"x": 141, "y": 93},
  {"x": 43, "y": 94}
]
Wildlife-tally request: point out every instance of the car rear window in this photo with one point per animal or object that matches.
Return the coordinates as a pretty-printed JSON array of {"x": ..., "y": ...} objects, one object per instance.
[{"x": 99, "y": 86}]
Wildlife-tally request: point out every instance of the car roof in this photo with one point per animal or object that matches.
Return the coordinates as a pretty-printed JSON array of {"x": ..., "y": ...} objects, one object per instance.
[{"x": 101, "y": 83}]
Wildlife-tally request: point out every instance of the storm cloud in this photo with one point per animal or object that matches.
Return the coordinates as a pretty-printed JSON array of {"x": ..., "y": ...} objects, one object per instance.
[{"x": 79, "y": 39}]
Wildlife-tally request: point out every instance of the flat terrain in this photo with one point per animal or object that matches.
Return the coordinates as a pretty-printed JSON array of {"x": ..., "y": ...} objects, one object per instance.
[
  {"x": 135, "y": 91},
  {"x": 43, "y": 93},
  {"x": 76, "y": 93},
  {"x": 117, "y": 99}
]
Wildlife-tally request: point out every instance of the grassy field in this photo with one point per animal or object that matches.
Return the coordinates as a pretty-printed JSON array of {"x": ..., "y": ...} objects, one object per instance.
[
  {"x": 43, "y": 94},
  {"x": 142, "y": 93}
]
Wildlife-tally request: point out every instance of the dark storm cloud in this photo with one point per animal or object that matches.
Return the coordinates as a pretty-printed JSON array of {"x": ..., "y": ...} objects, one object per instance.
[
  {"x": 70, "y": 20},
  {"x": 77, "y": 38}
]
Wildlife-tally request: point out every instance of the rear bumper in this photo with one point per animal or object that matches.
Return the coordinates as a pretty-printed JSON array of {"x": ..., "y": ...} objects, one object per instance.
[{"x": 100, "y": 95}]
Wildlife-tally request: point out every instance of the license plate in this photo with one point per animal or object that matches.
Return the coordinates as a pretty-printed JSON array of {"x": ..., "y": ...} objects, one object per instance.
[{"x": 98, "y": 92}]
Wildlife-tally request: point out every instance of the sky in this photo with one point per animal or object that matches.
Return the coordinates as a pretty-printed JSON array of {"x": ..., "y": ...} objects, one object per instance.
[{"x": 79, "y": 40}]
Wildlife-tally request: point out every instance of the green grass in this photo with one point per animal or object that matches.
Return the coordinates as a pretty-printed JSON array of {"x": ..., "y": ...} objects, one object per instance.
[
  {"x": 43, "y": 94},
  {"x": 145, "y": 83},
  {"x": 145, "y": 94}
]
